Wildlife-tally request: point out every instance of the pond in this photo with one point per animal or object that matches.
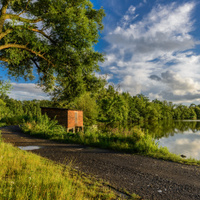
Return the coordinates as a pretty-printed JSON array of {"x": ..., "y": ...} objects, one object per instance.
[{"x": 180, "y": 137}]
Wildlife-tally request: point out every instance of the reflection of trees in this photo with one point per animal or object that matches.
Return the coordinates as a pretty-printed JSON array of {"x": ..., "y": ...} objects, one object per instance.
[{"x": 170, "y": 128}]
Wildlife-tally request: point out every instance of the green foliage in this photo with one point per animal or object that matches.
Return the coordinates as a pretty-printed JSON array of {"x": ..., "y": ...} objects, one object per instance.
[
  {"x": 4, "y": 111},
  {"x": 5, "y": 87},
  {"x": 13, "y": 112},
  {"x": 55, "y": 38},
  {"x": 113, "y": 106},
  {"x": 88, "y": 104}
]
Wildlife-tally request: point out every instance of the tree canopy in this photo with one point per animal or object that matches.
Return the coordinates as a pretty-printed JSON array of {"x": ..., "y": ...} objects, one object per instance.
[{"x": 54, "y": 38}]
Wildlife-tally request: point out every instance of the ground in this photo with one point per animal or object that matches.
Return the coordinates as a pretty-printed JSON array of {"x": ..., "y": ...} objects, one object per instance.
[{"x": 148, "y": 177}]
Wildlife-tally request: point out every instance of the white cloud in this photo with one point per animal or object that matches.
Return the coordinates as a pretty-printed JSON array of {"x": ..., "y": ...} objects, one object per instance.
[
  {"x": 128, "y": 17},
  {"x": 158, "y": 46},
  {"x": 27, "y": 91},
  {"x": 163, "y": 29}
]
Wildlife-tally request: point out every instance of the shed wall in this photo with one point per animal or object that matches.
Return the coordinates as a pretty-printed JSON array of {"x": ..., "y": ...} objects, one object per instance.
[
  {"x": 75, "y": 118},
  {"x": 65, "y": 117},
  {"x": 59, "y": 114}
]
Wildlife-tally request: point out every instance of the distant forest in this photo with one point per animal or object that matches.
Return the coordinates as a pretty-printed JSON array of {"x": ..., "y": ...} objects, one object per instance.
[{"x": 108, "y": 106}]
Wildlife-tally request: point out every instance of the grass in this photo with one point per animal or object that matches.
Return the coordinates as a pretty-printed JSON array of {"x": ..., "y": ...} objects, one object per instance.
[
  {"x": 124, "y": 140},
  {"x": 2, "y": 124},
  {"x": 25, "y": 175}
]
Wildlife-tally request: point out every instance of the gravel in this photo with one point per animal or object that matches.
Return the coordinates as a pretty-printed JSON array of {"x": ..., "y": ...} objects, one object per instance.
[{"x": 148, "y": 177}]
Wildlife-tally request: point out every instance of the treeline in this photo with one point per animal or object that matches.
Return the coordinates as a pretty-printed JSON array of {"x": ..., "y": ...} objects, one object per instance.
[
  {"x": 123, "y": 107},
  {"x": 108, "y": 106}
]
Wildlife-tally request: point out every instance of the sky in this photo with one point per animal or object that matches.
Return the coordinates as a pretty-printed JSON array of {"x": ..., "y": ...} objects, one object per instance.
[{"x": 151, "y": 47}]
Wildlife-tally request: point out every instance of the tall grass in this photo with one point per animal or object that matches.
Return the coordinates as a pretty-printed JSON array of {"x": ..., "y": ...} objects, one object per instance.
[
  {"x": 27, "y": 176},
  {"x": 125, "y": 140}
]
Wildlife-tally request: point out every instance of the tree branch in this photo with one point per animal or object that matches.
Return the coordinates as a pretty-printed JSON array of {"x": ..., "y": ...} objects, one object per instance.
[
  {"x": 6, "y": 46},
  {"x": 4, "y": 59},
  {"x": 17, "y": 17},
  {"x": 4, "y": 7},
  {"x": 3, "y": 12},
  {"x": 37, "y": 65},
  {"x": 3, "y": 34},
  {"x": 43, "y": 33},
  {"x": 25, "y": 8}
]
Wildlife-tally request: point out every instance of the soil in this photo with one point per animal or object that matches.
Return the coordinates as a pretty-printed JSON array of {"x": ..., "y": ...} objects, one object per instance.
[{"x": 148, "y": 177}]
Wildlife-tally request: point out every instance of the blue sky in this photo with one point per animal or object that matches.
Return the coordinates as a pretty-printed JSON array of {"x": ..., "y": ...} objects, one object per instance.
[{"x": 152, "y": 47}]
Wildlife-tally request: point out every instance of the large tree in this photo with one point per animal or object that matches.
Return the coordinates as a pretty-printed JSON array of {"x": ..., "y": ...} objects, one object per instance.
[{"x": 53, "y": 38}]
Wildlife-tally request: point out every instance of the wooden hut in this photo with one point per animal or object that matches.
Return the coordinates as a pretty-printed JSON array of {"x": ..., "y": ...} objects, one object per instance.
[{"x": 71, "y": 119}]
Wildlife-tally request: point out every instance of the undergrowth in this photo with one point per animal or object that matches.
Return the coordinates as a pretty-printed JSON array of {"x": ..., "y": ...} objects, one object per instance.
[{"x": 124, "y": 140}]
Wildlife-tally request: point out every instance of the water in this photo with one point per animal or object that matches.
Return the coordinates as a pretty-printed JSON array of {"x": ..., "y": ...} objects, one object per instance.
[
  {"x": 29, "y": 148},
  {"x": 180, "y": 137}
]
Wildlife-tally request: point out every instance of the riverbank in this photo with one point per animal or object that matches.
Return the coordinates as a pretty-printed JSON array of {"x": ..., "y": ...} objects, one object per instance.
[
  {"x": 148, "y": 177},
  {"x": 133, "y": 140}
]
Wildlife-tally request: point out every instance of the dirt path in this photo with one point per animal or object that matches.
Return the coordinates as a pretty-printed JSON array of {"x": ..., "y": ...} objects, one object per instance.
[{"x": 148, "y": 177}]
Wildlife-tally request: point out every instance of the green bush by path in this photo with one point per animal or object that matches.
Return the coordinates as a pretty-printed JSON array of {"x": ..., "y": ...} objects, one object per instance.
[
  {"x": 129, "y": 141},
  {"x": 27, "y": 176}
]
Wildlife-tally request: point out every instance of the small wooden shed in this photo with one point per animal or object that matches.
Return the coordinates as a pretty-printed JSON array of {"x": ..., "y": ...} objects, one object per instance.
[{"x": 71, "y": 119}]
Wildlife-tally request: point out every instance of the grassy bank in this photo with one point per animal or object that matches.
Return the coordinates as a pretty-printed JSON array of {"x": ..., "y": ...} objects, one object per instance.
[
  {"x": 124, "y": 140},
  {"x": 25, "y": 175}
]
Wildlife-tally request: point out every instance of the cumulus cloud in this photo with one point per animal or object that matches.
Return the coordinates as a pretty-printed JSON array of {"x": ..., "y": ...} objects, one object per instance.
[
  {"x": 177, "y": 88},
  {"x": 155, "y": 56},
  {"x": 27, "y": 91},
  {"x": 165, "y": 28}
]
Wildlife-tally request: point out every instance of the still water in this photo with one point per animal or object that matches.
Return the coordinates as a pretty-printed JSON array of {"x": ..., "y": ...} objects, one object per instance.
[
  {"x": 180, "y": 137},
  {"x": 29, "y": 148}
]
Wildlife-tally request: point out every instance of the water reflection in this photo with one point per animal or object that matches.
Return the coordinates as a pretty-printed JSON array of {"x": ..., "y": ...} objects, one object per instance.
[
  {"x": 180, "y": 137},
  {"x": 29, "y": 148}
]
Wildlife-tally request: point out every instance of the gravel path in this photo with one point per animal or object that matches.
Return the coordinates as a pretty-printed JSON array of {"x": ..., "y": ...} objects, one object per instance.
[{"x": 150, "y": 178}]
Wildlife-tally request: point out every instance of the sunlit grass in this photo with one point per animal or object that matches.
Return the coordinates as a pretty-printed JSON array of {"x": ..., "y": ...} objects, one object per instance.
[
  {"x": 25, "y": 175},
  {"x": 2, "y": 124}
]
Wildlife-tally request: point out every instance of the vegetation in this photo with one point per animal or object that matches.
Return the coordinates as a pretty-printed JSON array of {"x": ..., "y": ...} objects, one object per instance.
[
  {"x": 5, "y": 87},
  {"x": 125, "y": 140},
  {"x": 55, "y": 39},
  {"x": 108, "y": 106},
  {"x": 25, "y": 175}
]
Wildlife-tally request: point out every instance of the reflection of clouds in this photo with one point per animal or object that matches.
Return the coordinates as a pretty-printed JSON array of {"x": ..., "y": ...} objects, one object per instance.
[{"x": 187, "y": 144}]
